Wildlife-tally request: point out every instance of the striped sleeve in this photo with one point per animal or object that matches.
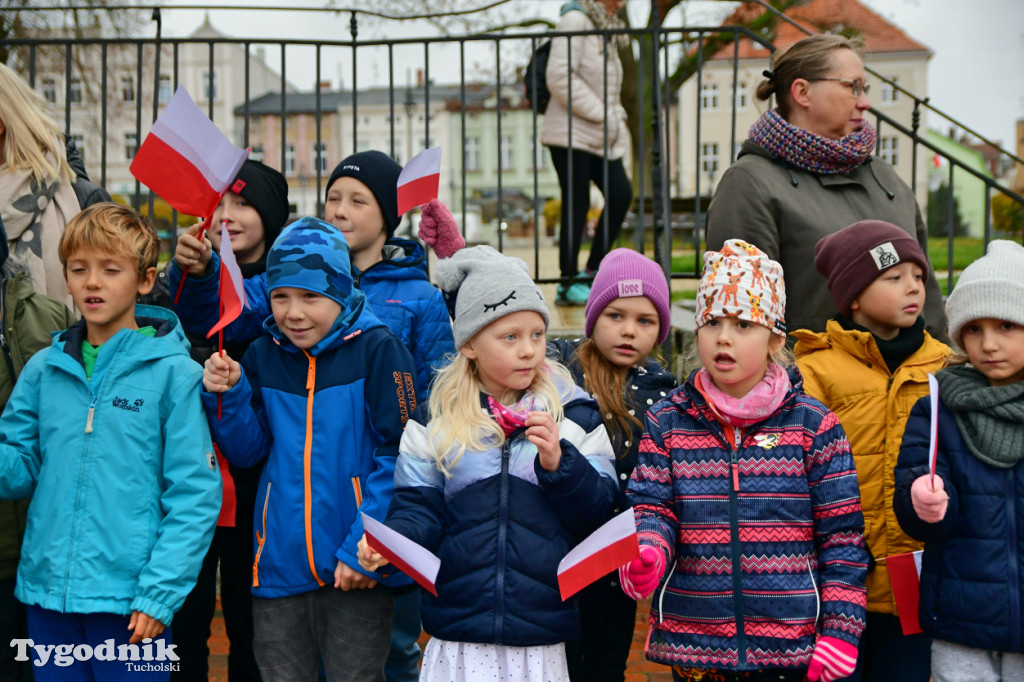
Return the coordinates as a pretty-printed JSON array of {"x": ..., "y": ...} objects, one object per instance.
[{"x": 650, "y": 488}]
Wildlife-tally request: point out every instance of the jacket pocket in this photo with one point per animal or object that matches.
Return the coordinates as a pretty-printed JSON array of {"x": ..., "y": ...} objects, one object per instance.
[{"x": 260, "y": 541}]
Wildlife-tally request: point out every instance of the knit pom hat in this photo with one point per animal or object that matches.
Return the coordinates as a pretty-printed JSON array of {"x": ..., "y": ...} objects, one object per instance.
[
  {"x": 266, "y": 190},
  {"x": 741, "y": 281},
  {"x": 992, "y": 287},
  {"x": 852, "y": 258},
  {"x": 379, "y": 173},
  {"x": 625, "y": 272},
  {"x": 313, "y": 255},
  {"x": 481, "y": 285}
]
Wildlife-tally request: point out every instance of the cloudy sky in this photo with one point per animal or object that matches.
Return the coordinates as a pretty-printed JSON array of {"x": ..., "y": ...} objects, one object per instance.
[{"x": 976, "y": 73}]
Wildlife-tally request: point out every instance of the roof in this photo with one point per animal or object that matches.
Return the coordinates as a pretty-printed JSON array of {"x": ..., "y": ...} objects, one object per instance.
[{"x": 824, "y": 16}]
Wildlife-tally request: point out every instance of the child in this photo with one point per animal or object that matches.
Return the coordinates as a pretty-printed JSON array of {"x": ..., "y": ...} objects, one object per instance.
[
  {"x": 106, "y": 432},
  {"x": 870, "y": 366},
  {"x": 746, "y": 496},
  {"x": 255, "y": 210},
  {"x": 511, "y": 471},
  {"x": 970, "y": 518},
  {"x": 37, "y": 317},
  {"x": 627, "y": 318},
  {"x": 323, "y": 399}
]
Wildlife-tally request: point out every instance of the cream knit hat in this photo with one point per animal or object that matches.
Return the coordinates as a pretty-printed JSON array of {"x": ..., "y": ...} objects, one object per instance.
[{"x": 992, "y": 286}]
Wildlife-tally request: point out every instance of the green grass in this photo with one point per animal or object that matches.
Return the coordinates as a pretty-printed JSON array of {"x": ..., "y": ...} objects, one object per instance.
[{"x": 966, "y": 250}]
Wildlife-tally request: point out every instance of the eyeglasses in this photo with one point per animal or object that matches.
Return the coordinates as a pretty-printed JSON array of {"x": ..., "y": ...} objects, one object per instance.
[{"x": 856, "y": 85}]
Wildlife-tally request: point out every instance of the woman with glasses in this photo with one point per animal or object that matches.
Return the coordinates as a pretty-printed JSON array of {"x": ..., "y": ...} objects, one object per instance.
[{"x": 807, "y": 170}]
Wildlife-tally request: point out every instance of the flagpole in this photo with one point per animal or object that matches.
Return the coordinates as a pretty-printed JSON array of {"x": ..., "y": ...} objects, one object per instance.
[
  {"x": 184, "y": 274},
  {"x": 220, "y": 351}
]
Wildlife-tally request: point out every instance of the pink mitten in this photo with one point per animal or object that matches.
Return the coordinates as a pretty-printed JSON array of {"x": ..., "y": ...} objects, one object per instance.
[
  {"x": 640, "y": 576},
  {"x": 833, "y": 659},
  {"x": 930, "y": 504},
  {"x": 438, "y": 229}
]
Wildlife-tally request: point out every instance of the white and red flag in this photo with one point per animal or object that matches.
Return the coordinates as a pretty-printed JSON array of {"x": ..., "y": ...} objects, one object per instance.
[
  {"x": 185, "y": 159},
  {"x": 905, "y": 577},
  {"x": 610, "y": 546},
  {"x": 231, "y": 287},
  {"x": 414, "y": 560},
  {"x": 419, "y": 180}
]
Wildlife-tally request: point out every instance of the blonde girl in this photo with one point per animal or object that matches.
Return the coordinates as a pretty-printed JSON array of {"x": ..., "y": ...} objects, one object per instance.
[{"x": 511, "y": 468}]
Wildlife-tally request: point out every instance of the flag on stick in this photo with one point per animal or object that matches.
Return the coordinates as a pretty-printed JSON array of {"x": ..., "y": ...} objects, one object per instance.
[
  {"x": 231, "y": 288},
  {"x": 610, "y": 546},
  {"x": 419, "y": 180},
  {"x": 414, "y": 560},
  {"x": 933, "y": 446},
  {"x": 905, "y": 576},
  {"x": 185, "y": 159}
]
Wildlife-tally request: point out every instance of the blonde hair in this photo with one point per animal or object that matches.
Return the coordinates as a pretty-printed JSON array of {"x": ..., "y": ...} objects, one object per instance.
[
  {"x": 457, "y": 421},
  {"x": 114, "y": 229},
  {"x": 809, "y": 58},
  {"x": 31, "y": 140}
]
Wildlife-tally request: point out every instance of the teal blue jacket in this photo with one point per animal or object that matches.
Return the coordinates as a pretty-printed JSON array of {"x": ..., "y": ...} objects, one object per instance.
[{"x": 120, "y": 468}]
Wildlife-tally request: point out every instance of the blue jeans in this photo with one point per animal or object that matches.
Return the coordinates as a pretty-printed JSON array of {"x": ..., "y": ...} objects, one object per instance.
[
  {"x": 350, "y": 632},
  {"x": 404, "y": 657}
]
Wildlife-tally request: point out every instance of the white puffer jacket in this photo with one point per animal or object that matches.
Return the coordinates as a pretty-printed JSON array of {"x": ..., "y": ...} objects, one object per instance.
[{"x": 589, "y": 98}]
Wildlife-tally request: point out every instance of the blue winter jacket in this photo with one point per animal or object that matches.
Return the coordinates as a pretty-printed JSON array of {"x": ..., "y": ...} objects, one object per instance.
[
  {"x": 124, "y": 484},
  {"x": 973, "y": 562},
  {"x": 501, "y": 523},
  {"x": 328, "y": 422},
  {"x": 397, "y": 288}
]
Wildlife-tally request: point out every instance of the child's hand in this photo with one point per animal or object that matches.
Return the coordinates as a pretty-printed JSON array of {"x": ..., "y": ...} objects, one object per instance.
[
  {"x": 347, "y": 579},
  {"x": 144, "y": 626},
  {"x": 191, "y": 254},
  {"x": 542, "y": 431},
  {"x": 221, "y": 373},
  {"x": 929, "y": 504},
  {"x": 641, "y": 576},
  {"x": 833, "y": 659},
  {"x": 439, "y": 230},
  {"x": 369, "y": 559}
]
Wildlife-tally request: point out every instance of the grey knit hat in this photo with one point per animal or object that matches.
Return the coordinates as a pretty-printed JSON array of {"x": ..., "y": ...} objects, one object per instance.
[
  {"x": 481, "y": 285},
  {"x": 992, "y": 286}
]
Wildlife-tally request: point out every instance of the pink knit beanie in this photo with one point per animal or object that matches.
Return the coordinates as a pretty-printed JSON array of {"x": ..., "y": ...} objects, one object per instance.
[{"x": 625, "y": 272}]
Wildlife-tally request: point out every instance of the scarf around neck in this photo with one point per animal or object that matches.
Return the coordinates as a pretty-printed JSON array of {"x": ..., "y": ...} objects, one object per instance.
[
  {"x": 596, "y": 12},
  {"x": 761, "y": 401},
  {"x": 990, "y": 418},
  {"x": 811, "y": 152}
]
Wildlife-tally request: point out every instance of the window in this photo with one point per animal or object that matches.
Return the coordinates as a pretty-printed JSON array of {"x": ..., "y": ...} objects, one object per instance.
[
  {"x": 257, "y": 153},
  {"x": 130, "y": 146},
  {"x": 289, "y": 158},
  {"x": 889, "y": 94},
  {"x": 709, "y": 97},
  {"x": 540, "y": 155},
  {"x": 210, "y": 86},
  {"x": 889, "y": 149},
  {"x": 739, "y": 96},
  {"x": 49, "y": 87},
  {"x": 165, "y": 91},
  {"x": 79, "y": 140},
  {"x": 507, "y": 153},
  {"x": 320, "y": 156},
  {"x": 709, "y": 158},
  {"x": 127, "y": 88},
  {"x": 471, "y": 153},
  {"x": 76, "y": 91}
]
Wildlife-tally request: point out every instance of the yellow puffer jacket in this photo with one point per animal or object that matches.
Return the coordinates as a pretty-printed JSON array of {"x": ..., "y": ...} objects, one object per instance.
[{"x": 844, "y": 369}]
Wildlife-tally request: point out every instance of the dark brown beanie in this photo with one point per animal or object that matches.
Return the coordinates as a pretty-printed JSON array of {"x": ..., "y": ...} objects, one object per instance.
[{"x": 855, "y": 256}]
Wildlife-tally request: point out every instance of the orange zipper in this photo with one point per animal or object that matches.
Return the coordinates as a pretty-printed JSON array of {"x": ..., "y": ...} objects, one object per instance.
[{"x": 260, "y": 541}]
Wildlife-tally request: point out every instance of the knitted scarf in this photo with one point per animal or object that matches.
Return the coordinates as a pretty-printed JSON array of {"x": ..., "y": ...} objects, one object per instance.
[
  {"x": 596, "y": 12},
  {"x": 761, "y": 401},
  {"x": 810, "y": 152},
  {"x": 990, "y": 418}
]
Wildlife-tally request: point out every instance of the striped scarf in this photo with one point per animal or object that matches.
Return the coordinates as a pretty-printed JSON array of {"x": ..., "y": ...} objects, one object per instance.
[{"x": 810, "y": 152}]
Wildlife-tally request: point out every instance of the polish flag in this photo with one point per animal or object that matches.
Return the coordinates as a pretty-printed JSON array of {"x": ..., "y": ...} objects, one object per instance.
[
  {"x": 231, "y": 287},
  {"x": 419, "y": 180},
  {"x": 185, "y": 159},
  {"x": 905, "y": 576},
  {"x": 610, "y": 546},
  {"x": 414, "y": 560}
]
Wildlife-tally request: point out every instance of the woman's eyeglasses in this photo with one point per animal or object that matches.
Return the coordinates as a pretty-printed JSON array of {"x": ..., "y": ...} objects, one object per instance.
[{"x": 856, "y": 85}]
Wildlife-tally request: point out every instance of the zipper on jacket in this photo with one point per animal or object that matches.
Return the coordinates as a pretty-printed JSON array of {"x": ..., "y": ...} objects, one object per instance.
[
  {"x": 737, "y": 564},
  {"x": 260, "y": 541},
  {"x": 307, "y": 466},
  {"x": 499, "y": 577},
  {"x": 92, "y": 413},
  {"x": 1011, "y": 504}
]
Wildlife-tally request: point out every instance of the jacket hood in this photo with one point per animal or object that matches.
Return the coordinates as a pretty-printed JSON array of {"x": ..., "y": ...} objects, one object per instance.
[
  {"x": 403, "y": 259},
  {"x": 350, "y": 323},
  {"x": 858, "y": 343},
  {"x": 169, "y": 338}
]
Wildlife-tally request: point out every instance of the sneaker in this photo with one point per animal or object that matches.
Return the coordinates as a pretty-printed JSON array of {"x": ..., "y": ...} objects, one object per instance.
[{"x": 576, "y": 294}]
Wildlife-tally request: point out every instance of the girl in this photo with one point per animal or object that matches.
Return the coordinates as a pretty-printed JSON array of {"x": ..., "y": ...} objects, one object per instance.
[
  {"x": 627, "y": 317},
  {"x": 746, "y": 496},
  {"x": 513, "y": 468},
  {"x": 970, "y": 518}
]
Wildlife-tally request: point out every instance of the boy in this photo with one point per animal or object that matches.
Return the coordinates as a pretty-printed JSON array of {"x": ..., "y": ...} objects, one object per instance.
[
  {"x": 869, "y": 367},
  {"x": 323, "y": 399},
  {"x": 106, "y": 432}
]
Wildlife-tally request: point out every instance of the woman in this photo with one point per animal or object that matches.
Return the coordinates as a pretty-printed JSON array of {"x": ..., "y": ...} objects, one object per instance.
[
  {"x": 807, "y": 171},
  {"x": 575, "y": 132},
  {"x": 37, "y": 193}
]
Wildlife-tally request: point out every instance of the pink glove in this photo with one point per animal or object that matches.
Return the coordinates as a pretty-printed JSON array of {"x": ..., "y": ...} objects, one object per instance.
[
  {"x": 641, "y": 576},
  {"x": 833, "y": 659},
  {"x": 438, "y": 229},
  {"x": 929, "y": 504}
]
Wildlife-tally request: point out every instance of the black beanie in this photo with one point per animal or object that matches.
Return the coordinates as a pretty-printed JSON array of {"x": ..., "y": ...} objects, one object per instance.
[
  {"x": 379, "y": 172},
  {"x": 267, "y": 191}
]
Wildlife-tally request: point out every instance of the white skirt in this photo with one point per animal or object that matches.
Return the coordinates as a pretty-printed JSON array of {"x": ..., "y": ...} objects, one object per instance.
[{"x": 445, "y": 661}]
